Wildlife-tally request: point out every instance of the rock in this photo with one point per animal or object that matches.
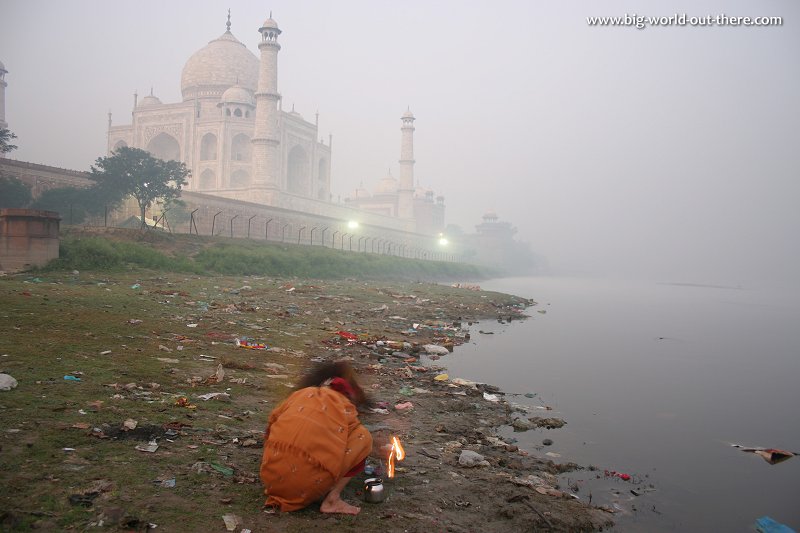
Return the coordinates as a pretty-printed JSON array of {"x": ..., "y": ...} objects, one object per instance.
[
  {"x": 549, "y": 423},
  {"x": 7, "y": 382},
  {"x": 435, "y": 349},
  {"x": 547, "y": 442},
  {"x": 471, "y": 459},
  {"x": 520, "y": 424}
]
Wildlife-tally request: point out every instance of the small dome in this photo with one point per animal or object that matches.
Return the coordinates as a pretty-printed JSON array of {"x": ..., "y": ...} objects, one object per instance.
[
  {"x": 271, "y": 24},
  {"x": 237, "y": 95},
  {"x": 387, "y": 185},
  {"x": 3, "y": 67},
  {"x": 149, "y": 101},
  {"x": 490, "y": 216},
  {"x": 408, "y": 114},
  {"x": 217, "y": 66}
]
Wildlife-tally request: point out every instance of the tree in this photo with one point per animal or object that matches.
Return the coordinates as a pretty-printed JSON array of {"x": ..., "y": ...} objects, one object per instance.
[
  {"x": 73, "y": 204},
  {"x": 134, "y": 172},
  {"x": 6, "y": 136},
  {"x": 14, "y": 193}
]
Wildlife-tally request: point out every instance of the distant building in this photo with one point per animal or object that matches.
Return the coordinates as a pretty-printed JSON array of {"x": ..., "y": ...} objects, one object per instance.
[
  {"x": 493, "y": 244},
  {"x": 232, "y": 133}
]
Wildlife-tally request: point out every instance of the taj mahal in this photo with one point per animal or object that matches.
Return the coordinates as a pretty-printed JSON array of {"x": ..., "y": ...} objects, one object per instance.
[{"x": 232, "y": 132}]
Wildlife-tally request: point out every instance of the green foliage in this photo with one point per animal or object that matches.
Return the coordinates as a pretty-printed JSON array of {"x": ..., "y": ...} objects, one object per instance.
[
  {"x": 14, "y": 193},
  {"x": 243, "y": 257},
  {"x": 6, "y": 136},
  {"x": 73, "y": 204},
  {"x": 134, "y": 172}
]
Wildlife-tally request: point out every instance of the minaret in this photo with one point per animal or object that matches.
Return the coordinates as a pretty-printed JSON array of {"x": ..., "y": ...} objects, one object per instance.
[
  {"x": 266, "y": 137},
  {"x": 405, "y": 200},
  {"x": 3, "y": 84}
]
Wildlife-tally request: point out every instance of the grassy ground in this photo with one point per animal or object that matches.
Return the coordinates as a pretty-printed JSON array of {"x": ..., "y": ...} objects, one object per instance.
[
  {"x": 67, "y": 461},
  {"x": 115, "y": 249}
]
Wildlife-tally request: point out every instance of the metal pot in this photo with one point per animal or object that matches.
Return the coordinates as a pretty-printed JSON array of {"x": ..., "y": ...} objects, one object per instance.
[{"x": 373, "y": 490}]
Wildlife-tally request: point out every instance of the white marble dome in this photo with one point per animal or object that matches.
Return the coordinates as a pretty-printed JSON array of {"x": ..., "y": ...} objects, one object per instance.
[
  {"x": 237, "y": 95},
  {"x": 148, "y": 101},
  {"x": 220, "y": 64},
  {"x": 387, "y": 185}
]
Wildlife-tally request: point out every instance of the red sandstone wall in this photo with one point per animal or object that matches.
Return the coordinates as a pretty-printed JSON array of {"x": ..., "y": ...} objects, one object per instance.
[{"x": 27, "y": 238}]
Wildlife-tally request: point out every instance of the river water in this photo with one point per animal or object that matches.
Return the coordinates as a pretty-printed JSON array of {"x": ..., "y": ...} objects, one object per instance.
[{"x": 656, "y": 380}]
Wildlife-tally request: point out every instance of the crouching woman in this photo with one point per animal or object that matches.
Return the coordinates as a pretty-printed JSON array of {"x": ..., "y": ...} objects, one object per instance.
[{"x": 315, "y": 443}]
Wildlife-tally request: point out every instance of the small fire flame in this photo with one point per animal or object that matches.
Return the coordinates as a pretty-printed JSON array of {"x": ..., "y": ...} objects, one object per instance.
[{"x": 396, "y": 453}]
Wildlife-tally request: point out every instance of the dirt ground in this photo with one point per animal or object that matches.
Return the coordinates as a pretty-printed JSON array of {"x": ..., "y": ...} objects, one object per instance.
[{"x": 110, "y": 366}]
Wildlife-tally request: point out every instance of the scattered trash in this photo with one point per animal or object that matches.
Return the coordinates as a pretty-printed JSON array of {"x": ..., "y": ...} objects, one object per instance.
[
  {"x": 129, "y": 424},
  {"x": 183, "y": 401},
  {"x": 164, "y": 348},
  {"x": 491, "y": 397},
  {"x": 136, "y": 286},
  {"x": 403, "y": 406},
  {"x": 224, "y": 470},
  {"x": 435, "y": 349},
  {"x": 215, "y": 395},
  {"x": 134, "y": 321},
  {"x": 622, "y": 476},
  {"x": 167, "y": 483},
  {"x": 150, "y": 447},
  {"x": 441, "y": 377},
  {"x": 168, "y": 360},
  {"x": 383, "y": 307},
  {"x": 7, "y": 382},
  {"x": 71, "y": 378},
  {"x": 251, "y": 345},
  {"x": 347, "y": 335},
  {"x": 471, "y": 459},
  {"x": 105, "y": 352},
  {"x": 766, "y": 524},
  {"x": 231, "y": 520},
  {"x": 771, "y": 455},
  {"x": 191, "y": 325},
  {"x": 549, "y": 442},
  {"x": 217, "y": 376}
]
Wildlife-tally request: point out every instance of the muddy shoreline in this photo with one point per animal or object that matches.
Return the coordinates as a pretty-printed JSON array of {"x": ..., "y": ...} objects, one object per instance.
[{"x": 161, "y": 351}]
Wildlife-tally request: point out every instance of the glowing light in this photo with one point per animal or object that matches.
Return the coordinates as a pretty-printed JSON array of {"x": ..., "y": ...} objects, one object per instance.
[
  {"x": 352, "y": 224},
  {"x": 443, "y": 241},
  {"x": 395, "y": 453}
]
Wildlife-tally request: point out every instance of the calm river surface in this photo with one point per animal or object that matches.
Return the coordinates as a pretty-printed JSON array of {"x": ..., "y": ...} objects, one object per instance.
[{"x": 657, "y": 380}]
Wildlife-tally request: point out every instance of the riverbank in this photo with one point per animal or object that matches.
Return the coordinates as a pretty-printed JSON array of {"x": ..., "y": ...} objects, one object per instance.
[{"x": 135, "y": 406}]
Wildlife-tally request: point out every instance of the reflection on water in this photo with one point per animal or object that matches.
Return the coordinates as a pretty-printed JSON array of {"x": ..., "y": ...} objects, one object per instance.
[{"x": 657, "y": 380}]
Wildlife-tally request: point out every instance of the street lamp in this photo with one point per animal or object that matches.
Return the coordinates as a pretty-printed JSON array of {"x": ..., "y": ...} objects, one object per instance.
[{"x": 352, "y": 224}]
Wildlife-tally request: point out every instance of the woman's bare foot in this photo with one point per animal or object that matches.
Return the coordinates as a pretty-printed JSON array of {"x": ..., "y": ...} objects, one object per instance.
[{"x": 338, "y": 505}]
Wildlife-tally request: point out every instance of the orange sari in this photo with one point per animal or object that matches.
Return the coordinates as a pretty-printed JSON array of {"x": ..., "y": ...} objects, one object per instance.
[{"x": 313, "y": 439}]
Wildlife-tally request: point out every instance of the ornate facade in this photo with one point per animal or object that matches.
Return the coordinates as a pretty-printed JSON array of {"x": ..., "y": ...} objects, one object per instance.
[
  {"x": 232, "y": 133},
  {"x": 230, "y": 129}
]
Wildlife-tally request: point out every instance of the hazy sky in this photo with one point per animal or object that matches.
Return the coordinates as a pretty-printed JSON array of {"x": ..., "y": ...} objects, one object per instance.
[{"x": 670, "y": 153}]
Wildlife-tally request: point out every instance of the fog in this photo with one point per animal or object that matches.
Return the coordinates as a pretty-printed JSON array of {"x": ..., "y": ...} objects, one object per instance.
[{"x": 667, "y": 153}]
